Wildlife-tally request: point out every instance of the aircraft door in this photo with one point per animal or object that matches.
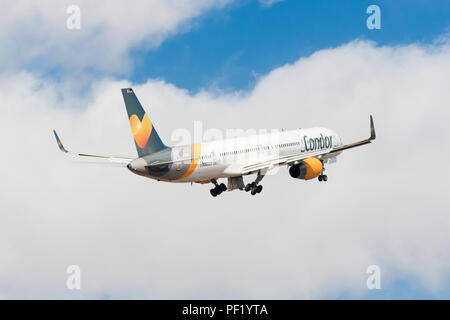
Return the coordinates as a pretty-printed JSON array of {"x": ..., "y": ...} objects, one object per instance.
[{"x": 178, "y": 154}]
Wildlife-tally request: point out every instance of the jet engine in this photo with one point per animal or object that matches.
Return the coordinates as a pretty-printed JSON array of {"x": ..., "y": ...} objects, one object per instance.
[{"x": 307, "y": 169}]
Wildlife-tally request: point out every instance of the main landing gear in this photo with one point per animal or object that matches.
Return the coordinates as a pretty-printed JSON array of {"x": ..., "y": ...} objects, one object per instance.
[
  {"x": 238, "y": 183},
  {"x": 253, "y": 187},
  {"x": 218, "y": 189}
]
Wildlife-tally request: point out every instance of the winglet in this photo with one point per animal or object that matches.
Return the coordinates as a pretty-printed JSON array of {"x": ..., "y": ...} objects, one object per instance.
[
  {"x": 58, "y": 141},
  {"x": 372, "y": 129}
]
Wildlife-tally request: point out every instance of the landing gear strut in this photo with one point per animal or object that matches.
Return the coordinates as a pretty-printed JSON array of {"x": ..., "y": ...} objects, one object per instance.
[
  {"x": 323, "y": 177},
  {"x": 218, "y": 189},
  {"x": 253, "y": 187}
]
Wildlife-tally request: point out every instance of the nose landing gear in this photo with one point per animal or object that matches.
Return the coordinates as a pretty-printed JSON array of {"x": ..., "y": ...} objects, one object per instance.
[{"x": 323, "y": 177}]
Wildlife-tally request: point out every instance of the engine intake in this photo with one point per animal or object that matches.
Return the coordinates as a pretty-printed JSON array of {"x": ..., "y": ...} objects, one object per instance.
[{"x": 308, "y": 169}]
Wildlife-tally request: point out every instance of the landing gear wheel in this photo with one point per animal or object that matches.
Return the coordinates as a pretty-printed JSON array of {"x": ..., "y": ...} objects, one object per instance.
[
  {"x": 253, "y": 192},
  {"x": 249, "y": 186},
  {"x": 325, "y": 177},
  {"x": 320, "y": 178},
  {"x": 259, "y": 189},
  {"x": 218, "y": 190}
]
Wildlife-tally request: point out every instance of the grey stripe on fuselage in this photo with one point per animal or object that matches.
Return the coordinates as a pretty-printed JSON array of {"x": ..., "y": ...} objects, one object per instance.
[{"x": 165, "y": 172}]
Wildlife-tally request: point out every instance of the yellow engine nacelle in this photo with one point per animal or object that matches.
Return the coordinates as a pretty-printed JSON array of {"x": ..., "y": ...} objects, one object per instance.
[{"x": 307, "y": 169}]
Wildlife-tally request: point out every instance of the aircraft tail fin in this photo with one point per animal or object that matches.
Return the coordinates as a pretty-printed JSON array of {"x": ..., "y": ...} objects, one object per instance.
[{"x": 144, "y": 133}]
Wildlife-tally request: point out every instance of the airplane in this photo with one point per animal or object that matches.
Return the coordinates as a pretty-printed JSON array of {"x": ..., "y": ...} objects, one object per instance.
[{"x": 303, "y": 151}]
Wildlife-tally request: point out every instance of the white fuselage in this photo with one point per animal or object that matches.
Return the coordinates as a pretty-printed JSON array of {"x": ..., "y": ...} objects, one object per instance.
[{"x": 226, "y": 158}]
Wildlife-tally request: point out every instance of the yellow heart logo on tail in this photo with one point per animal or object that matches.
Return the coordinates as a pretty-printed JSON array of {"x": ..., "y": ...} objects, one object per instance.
[{"x": 141, "y": 130}]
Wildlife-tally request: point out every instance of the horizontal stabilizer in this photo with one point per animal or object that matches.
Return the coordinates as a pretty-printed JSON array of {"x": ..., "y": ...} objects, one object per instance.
[
  {"x": 58, "y": 141},
  {"x": 372, "y": 129},
  {"x": 111, "y": 159}
]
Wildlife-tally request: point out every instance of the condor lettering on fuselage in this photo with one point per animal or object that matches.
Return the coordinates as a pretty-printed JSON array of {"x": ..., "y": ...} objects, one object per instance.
[{"x": 312, "y": 144}]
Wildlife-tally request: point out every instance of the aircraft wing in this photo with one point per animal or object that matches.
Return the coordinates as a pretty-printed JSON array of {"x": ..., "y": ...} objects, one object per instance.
[
  {"x": 290, "y": 159},
  {"x": 297, "y": 158},
  {"x": 120, "y": 161}
]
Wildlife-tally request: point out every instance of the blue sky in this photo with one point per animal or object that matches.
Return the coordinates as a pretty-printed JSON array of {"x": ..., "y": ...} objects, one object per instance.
[{"x": 230, "y": 48}]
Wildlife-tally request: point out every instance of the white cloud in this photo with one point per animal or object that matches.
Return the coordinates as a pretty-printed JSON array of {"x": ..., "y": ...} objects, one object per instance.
[
  {"x": 384, "y": 203},
  {"x": 34, "y": 33},
  {"x": 269, "y": 3}
]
